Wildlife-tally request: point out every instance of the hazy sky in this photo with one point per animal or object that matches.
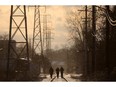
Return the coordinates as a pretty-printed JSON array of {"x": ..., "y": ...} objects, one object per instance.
[{"x": 58, "y": 15}]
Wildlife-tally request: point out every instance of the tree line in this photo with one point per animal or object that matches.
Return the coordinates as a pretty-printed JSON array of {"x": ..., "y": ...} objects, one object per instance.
[{"x": 94, "y": 40}]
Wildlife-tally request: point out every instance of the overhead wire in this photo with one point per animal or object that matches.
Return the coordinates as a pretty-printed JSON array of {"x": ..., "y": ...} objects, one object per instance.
[{"x": 112, "y": 22}]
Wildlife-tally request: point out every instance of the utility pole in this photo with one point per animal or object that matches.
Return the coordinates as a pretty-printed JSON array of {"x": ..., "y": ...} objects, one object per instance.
[
  {"x": 86, "y": 60},
  {"x": 94, "y": 38},
  {"x": 67, "y": 52},
  {"x": 107, "y": 44},
  {"x": 18, "y": 25},
  {"x": 86, "y": 48}
]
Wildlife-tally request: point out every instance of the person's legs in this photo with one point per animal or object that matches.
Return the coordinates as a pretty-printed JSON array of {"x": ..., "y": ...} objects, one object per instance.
[
  {"x": 51, "y": 75},
  {"x": 58, "y": 75},
  {"x": 61, "y": 74}
]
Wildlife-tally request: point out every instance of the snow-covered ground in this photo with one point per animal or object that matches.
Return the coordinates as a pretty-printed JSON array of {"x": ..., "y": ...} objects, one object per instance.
[{"x": 67, "y": 77}]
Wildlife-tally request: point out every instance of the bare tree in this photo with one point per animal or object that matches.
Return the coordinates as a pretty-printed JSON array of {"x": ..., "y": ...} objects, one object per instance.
[
  {"x": 4, "y": 36},
  {"x": 75, "y": 25}
]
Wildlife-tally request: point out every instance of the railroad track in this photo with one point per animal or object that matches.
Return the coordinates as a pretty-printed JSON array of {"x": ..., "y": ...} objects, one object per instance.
[{"x": 58, "y": 78}]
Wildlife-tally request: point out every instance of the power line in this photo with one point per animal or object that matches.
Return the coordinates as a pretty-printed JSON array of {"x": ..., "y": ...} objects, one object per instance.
[{"x": 112, "y": 22}]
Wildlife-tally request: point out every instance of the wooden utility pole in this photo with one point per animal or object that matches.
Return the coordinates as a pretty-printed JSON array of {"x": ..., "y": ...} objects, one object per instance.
[
  {"x": 107, "y": 45},
  {"x": 86, "y": 52},
  {"x": 94, "y": 38},
  {"x": 85, "y": 61}
]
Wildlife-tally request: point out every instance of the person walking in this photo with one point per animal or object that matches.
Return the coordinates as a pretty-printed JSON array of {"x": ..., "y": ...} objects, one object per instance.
[
  {"x": 57, "y": 72},
  {"x": 61, "y": 71},
  {"x": 51, "y": 71}
]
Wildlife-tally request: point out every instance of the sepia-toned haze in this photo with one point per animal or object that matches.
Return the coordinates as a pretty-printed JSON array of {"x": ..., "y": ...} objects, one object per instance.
[{"x": 57, "y": 19}]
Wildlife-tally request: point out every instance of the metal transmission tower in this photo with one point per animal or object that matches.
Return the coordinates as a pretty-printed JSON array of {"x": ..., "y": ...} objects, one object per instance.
[
  {"x": 18, "y": 26},
  {"x": 44, "y": 30},
  {"x": 37, "y": 35},
  {"x": 46, "y": 33}
]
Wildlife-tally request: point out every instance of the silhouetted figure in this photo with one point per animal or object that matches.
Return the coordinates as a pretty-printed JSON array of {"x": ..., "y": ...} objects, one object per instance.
[
  {"x": 61, "y": 71},
  {"x": 57, "y": 72},
  {"x": 51, "y": 71}
]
